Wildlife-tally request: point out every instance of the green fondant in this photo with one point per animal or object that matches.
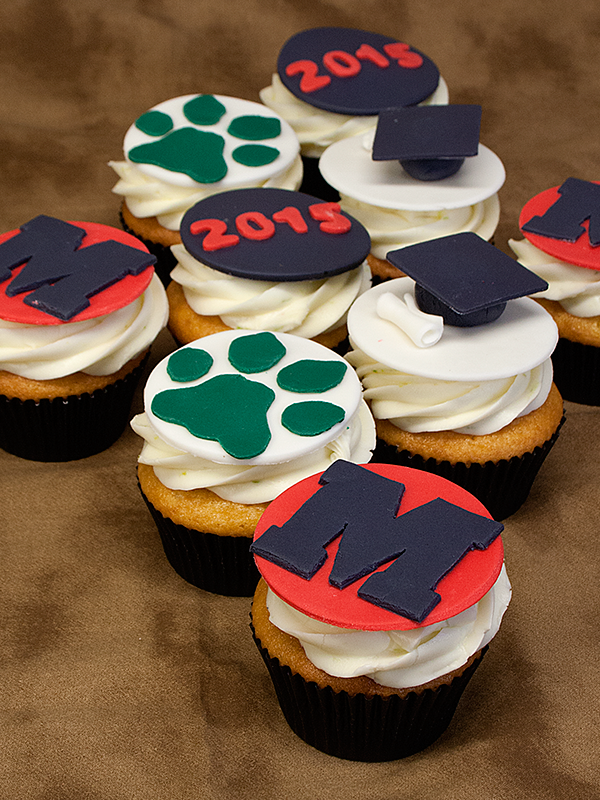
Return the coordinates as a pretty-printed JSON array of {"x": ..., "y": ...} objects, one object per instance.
[
  {"x": 306, "y": 376},
  {"x": 198, "y": 154},
  {"x": 254, "y": 155},
  {"x": 228, "y": 409},
  {"x": 254, "y": 128},
  {"x": 311, "y": 417},
  {"x": 255, "y": 353},
  {"x": 204, "y": 110},
  {"x": 154, "y": 123},
  {"x": 188, "y": 365}
]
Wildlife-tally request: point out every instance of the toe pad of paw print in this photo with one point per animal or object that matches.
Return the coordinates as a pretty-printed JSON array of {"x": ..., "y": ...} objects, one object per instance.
[
  {"x": 259, "y": 397},
  {"x": 211, "y": 139}
]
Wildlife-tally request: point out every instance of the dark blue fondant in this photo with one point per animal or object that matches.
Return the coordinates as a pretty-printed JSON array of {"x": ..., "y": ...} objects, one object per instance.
[{"x": 579, "y": 200}]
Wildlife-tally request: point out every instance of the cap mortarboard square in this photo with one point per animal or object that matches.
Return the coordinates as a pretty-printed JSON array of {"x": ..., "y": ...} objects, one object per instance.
[
  {"x": 431, "y": 142},
  {"x": 464, "y": 279}
]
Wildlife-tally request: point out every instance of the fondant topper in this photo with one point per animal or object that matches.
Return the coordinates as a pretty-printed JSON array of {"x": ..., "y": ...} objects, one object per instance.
[
  {"x": 350, "y": 71},
  {"x": 273, "y": 235},
  {"x": 430, "y": 142},
  {"x": 394, "y": 547},
  {"x": 53, "y": 271},
  {"x": 257, "y": 398},
  {"x": 464, "y": 279},
  {"x": 565, "y": 222}
]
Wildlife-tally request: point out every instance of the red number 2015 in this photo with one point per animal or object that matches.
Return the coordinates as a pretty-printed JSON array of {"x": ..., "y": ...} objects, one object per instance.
[{"x": 345, "y": 65}]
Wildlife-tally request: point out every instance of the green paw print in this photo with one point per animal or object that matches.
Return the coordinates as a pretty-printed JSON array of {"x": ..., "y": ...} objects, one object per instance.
[
  {"x": 200, "y": 153},
  {"x": 231, "y": 409}
]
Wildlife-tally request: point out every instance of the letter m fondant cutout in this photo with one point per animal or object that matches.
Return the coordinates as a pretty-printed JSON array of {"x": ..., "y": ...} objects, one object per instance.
[
  {"x": 579, "y": 201},
  {"x": 424, "y": 544},
  {"x": 59, "y": 277}
]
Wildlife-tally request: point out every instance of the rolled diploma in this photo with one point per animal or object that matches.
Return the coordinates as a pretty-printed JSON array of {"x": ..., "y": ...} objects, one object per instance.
[{"x": 423, "y": 329}]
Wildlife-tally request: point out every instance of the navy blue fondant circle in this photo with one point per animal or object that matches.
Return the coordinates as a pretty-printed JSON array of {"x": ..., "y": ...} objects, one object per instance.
[
  {"x": 372, "y": 89},
  {"x": 285, "y": 256}
]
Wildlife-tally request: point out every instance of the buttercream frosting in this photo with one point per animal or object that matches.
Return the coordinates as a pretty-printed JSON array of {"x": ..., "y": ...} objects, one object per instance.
[
  {"x": 399, "y": 659},
  {"x": 97, "y": 346},
  {"x": 305, "y": 308},
  {"x": 577, "y": 289},
  {"x": 317, "y": 129}
]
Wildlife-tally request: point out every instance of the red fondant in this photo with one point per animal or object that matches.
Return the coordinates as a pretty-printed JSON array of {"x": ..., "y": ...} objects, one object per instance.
[
  {"x": 341, "y": 64},
  {"x": 332, "y": 220},
  {"x": 216, "y": 234},
  {"x": 311, "y": 81},
  {"x": 404, "y": 56},
  {"x": 254, "y": 225},
  {"x": 111, "y": 299},
  {"x": 461, "y": 588},
  {"x": 367, "y": 53},
  {"x": 292, "y": 216},
  {"x": 580, "y": 253}
]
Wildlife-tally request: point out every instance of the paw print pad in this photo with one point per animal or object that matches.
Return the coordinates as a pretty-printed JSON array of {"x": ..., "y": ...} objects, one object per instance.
[
  {"x": 259, "y": 397},
  {"x": 208, "y": 139}
]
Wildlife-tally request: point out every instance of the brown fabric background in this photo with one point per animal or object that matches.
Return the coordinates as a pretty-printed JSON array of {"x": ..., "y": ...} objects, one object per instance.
[{"x": 117, "y": 679}]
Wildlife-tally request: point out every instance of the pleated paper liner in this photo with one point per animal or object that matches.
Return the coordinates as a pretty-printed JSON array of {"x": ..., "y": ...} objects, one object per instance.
[
  {"x": 165, "y": 260},
  {"x": 68, "y": 428},
  {"x": 362, "y": 728},
  {"x": 501, "y": 486},
  {"x": 218, "y": 564},
  {"x": 577, "y": 371}
]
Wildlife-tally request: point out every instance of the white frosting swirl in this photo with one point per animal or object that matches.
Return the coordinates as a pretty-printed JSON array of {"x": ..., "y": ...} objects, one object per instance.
[
  {"x": 305, "y": 308},
  {"x": 150, "y": 197},
  {"x": 577, "y": 289},
  {"x": 391, "y": 229},
  {"x": 415, "y": 403},
  {"x": 399, "y": 659},
  {"x": 315, "y": 128},
  {"x": 99, "y": 346},
  {"x": 241, "y": 483}
]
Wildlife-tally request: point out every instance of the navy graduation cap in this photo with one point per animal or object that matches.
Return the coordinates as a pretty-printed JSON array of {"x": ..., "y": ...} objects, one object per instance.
[
  {"x": 430, "y": 142},
  {"x": 464, "y": 279}
]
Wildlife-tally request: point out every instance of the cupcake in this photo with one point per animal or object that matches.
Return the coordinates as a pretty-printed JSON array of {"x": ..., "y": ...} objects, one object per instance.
[
  {"x": 386, "y": 181},
  {"x": 371, "y": 636},
  {"x": 80, "y": 306},
  {"x": 455, "y": 361},
  {"x": 331, "y": 83},
  {"x": 230, "y": 421},
  {"x": 270, "y": 260},
  {"x": 190, "y": 147},
  {"x": 564, "y": 252}
]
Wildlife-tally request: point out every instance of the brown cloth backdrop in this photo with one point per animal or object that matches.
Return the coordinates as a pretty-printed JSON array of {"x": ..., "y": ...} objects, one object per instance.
[{"x": 117, "y": 679}]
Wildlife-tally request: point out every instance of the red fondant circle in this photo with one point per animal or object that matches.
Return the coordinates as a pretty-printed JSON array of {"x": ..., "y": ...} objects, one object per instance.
[
  {"x": 580, "y": 253},
  {"x": 461, "y": 588},
  {"x": 119, "y": 295}
]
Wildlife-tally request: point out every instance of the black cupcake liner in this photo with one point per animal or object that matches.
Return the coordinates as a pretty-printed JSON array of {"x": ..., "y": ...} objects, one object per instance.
[
  {"x": 577, "y": 371},
  {"x": 217, "y": 564},
  {"x": 165, "y": 260},
  {"x": 314, "y": 183},
  {"x": 68, "y": 428},
  {"x": 501, "y": 486},
  {"x": 362, "y": 728}
]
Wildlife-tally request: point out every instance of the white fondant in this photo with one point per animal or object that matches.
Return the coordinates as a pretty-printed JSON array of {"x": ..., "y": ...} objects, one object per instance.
[
  {"x": 284, "y": 445},
  {"x": 317, "y": 129},
  {"x": 425, "y": 330},
  {"x": 522, "y": 338},
  {"x": 304, "y": 308},
  {"x": 577, "y": 289},
  {"x": 399, "y": 659},
  {"x": 237, "y": 175},
  {"x": 99, "y": 346},
  {"x": 347, "y": 165}
]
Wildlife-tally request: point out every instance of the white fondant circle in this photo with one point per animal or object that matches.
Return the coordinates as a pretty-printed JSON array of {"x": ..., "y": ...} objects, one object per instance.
[
  {"x": 237, "y": 175},
  {"x": 521, "y": 339},
  {"x": 347, "y": 165},
  {"x": 284, "y": 445}
]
